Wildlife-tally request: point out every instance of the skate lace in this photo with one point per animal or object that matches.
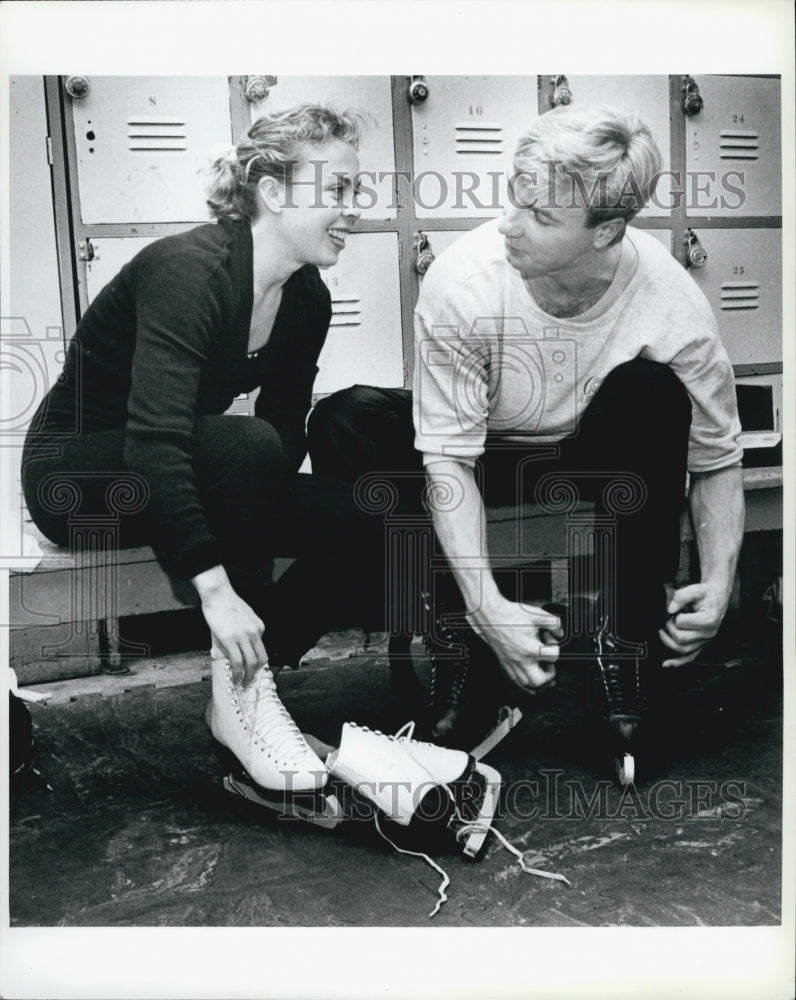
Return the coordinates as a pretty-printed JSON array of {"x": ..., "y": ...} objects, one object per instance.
[
  {"x": 611, "y": 673},
  {"x": 269, "y": 718},
  {"x": 465, "y": 829}
]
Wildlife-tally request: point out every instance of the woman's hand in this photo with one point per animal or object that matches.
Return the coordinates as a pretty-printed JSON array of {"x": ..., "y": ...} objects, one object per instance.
[
  {"x": 236, "y": 630},
  {"x": 520, "y": 637}
]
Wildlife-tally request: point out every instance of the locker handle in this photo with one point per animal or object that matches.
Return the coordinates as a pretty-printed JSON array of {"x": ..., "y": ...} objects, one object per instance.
[
  {"x": 418, "y": 90},
  {"x": 695, "y": 255},
  {"x": 424, "y": 257},
  {"x": 77, "y": 87},
  {"x": 692, "y": 102},
  {"x": 562, "y": 94},
  {"x": 257, "y": 88}
]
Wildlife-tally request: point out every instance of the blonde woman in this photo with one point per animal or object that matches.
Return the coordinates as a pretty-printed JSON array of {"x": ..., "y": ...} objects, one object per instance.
[{"x": 191, "y": 322}]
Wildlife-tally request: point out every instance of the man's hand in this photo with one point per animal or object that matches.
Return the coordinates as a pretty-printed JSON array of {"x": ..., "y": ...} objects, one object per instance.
[
  {"x": 520, "y": 637},
  {"x": 695, "y": 614}
]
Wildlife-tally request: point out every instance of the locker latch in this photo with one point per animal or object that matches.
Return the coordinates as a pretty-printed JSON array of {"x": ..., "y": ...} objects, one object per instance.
[
  {"x": 695, "y": 254},
  {"x": 418, "y": 90},
  {"x": 692, "y": 100},
  {"x": 257, "y": 88},
  {"x": 85, "y": 250},
  {"x": 561, "y": 92},
  {"x": 77, "y": 86},
  {"x": 424, "y": 258}
]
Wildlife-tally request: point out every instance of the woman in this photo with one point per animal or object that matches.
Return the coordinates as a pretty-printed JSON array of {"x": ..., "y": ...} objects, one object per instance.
[{"x": 190, "y": 323}]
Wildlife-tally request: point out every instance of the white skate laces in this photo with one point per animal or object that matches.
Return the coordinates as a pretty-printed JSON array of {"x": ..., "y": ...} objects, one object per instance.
[
  {"x": 396, "y": 772},
  {"x": 256, "y": 727}
]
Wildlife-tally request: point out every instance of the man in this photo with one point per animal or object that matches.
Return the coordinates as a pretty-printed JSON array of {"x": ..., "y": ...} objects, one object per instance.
[{"x": 556, "y": 349}]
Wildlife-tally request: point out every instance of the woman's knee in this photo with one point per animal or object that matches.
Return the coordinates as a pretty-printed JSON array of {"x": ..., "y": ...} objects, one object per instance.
[{"x": 245, "y": 450}]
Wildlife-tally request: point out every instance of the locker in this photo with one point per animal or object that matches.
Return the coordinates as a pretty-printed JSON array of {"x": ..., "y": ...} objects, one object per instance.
[
  {"x": 742, "y": 280},
  {"x": 141, "y": 144},
  {"x": 364, "y": 342},
  {"x": 733, "y": 148},
  {"x": 464, "y": 136},
  {"x": 647, "y": 97},
  {"x": 369, "y": 94}
]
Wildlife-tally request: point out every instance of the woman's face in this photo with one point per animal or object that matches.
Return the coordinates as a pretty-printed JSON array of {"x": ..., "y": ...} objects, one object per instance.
[{"x": 319, "y": 203}]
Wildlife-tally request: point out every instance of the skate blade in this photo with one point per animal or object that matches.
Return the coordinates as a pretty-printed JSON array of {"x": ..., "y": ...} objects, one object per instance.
[
  {"x": 481, "y": 825},
  {"x": 321, "y": 809},
  {"x": 507, "y": 720}
]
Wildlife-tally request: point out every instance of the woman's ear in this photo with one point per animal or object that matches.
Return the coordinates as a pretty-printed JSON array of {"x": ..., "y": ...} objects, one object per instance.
[{"x": 272, "y": 194}]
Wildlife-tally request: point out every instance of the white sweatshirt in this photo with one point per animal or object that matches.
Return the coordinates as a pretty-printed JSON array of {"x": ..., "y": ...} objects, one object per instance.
[{"x": 490, "y": 361}]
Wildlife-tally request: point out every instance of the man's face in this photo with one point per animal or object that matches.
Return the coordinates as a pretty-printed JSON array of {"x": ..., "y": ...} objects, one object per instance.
[
  {"x": 545, "y": 227},
  {"x": 319, "y": 203}
]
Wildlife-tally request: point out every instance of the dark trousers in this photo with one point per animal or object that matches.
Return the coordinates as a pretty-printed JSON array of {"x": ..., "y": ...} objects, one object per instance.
[
  {"x": 255, "y": 507},
  {"x": 628, "y": 455}
]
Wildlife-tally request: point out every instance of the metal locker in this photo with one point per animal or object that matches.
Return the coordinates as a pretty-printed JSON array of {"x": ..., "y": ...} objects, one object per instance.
[
  {"x": 647, "y": 97},
  {"x": 141, "y": 144},
  {"x": 364, "y": 342},
  {"x": 465, "y": 131},
  {"x": 733, "y": 148},
  {"x": 742, "y": 279},
  {"x": 369, "y": 94}
]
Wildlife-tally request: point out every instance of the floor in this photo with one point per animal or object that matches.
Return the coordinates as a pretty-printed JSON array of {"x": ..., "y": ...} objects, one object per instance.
[{"x": 139, "y": 832}]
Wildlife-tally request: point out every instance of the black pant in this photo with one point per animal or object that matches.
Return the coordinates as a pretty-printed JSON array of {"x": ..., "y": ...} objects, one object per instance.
[
  {"x": 628, "y": 455},
  {"x": 255, "y": 507}
]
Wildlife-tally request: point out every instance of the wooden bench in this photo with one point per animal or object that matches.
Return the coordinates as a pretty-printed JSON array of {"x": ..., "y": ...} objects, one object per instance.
[{"x": 65, "y": 612}]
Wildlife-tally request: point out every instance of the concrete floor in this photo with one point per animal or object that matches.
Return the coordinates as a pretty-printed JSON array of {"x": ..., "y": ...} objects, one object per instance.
[{"x": 138, "y": 831}]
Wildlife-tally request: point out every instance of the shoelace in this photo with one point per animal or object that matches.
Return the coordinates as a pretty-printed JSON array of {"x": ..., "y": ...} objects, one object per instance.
[
  {"x": 269, "y": 718},
  {"x": 611, "y": 675},
  {"x": 465, "y": 830}
]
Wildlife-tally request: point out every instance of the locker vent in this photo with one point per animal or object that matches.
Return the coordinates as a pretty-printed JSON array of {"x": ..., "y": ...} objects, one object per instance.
[
  {"x": 154, "y": 134},
  {"x": 346, "y": 310},
  {"x": 739, "y": 145},
  {"x": 477, "y": 139},
  {"x": 740, "y": 295}
]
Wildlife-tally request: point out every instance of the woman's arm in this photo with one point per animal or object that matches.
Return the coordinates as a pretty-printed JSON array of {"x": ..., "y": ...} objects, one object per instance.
[{"x": 235, "y": 628}]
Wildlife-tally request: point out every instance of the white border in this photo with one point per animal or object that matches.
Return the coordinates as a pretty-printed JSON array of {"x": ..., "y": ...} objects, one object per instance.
[{"x": 253, "y": 36}]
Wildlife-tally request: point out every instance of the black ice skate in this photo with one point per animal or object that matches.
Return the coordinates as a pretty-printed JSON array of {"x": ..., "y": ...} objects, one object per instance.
[{"x": 619, "y": 683}]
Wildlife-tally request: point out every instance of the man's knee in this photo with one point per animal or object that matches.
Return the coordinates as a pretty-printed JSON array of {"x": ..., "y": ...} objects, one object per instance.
[{"x": 356, "y": 406}]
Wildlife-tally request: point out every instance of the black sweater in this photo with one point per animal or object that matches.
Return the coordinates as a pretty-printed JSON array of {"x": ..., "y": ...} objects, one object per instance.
[{"x": 165, "y": 341}]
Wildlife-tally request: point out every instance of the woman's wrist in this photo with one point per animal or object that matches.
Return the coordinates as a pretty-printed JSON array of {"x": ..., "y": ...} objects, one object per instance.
[{"x": 211, "y": 582}]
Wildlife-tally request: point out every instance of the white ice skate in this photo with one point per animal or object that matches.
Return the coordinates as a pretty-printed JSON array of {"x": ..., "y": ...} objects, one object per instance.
[{"x": 256, "y": 727}]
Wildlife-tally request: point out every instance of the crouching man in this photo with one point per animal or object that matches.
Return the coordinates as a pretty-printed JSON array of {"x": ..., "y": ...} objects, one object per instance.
[{"x": 562, "y": 356}]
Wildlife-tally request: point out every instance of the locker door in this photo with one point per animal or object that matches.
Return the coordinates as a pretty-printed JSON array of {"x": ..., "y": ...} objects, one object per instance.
[
  {"x": 141, "y": 143},
  {"x": 734, "y": 144},
  {"x": 364, "y": 341},
  {"x": 369, "y": 94},
  {"x": 647, "y": 97},
  {"x": 464, "y": 136},
  {"x": 741, "y": 279}
]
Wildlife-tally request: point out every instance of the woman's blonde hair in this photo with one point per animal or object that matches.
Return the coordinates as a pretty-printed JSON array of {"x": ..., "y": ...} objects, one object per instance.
[
  {"x": 271, "y": 148},
  {"x": 609, "y": 159}
]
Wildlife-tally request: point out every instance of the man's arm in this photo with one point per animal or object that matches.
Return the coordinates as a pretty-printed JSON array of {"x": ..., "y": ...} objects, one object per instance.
[
  {"x": 695, "y": 612},
  {"x": 512, "y": 630}
]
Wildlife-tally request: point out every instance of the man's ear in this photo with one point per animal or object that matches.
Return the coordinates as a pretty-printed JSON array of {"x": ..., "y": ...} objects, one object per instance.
[
  {"x": 272, "y": 194},
  {"x": 608, "y": 232}
]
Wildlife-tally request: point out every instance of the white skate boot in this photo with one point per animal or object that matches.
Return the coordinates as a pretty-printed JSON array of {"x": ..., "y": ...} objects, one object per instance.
[
  {"x": 255, "y": 726},
  {"x": 394, "y": 772}
]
